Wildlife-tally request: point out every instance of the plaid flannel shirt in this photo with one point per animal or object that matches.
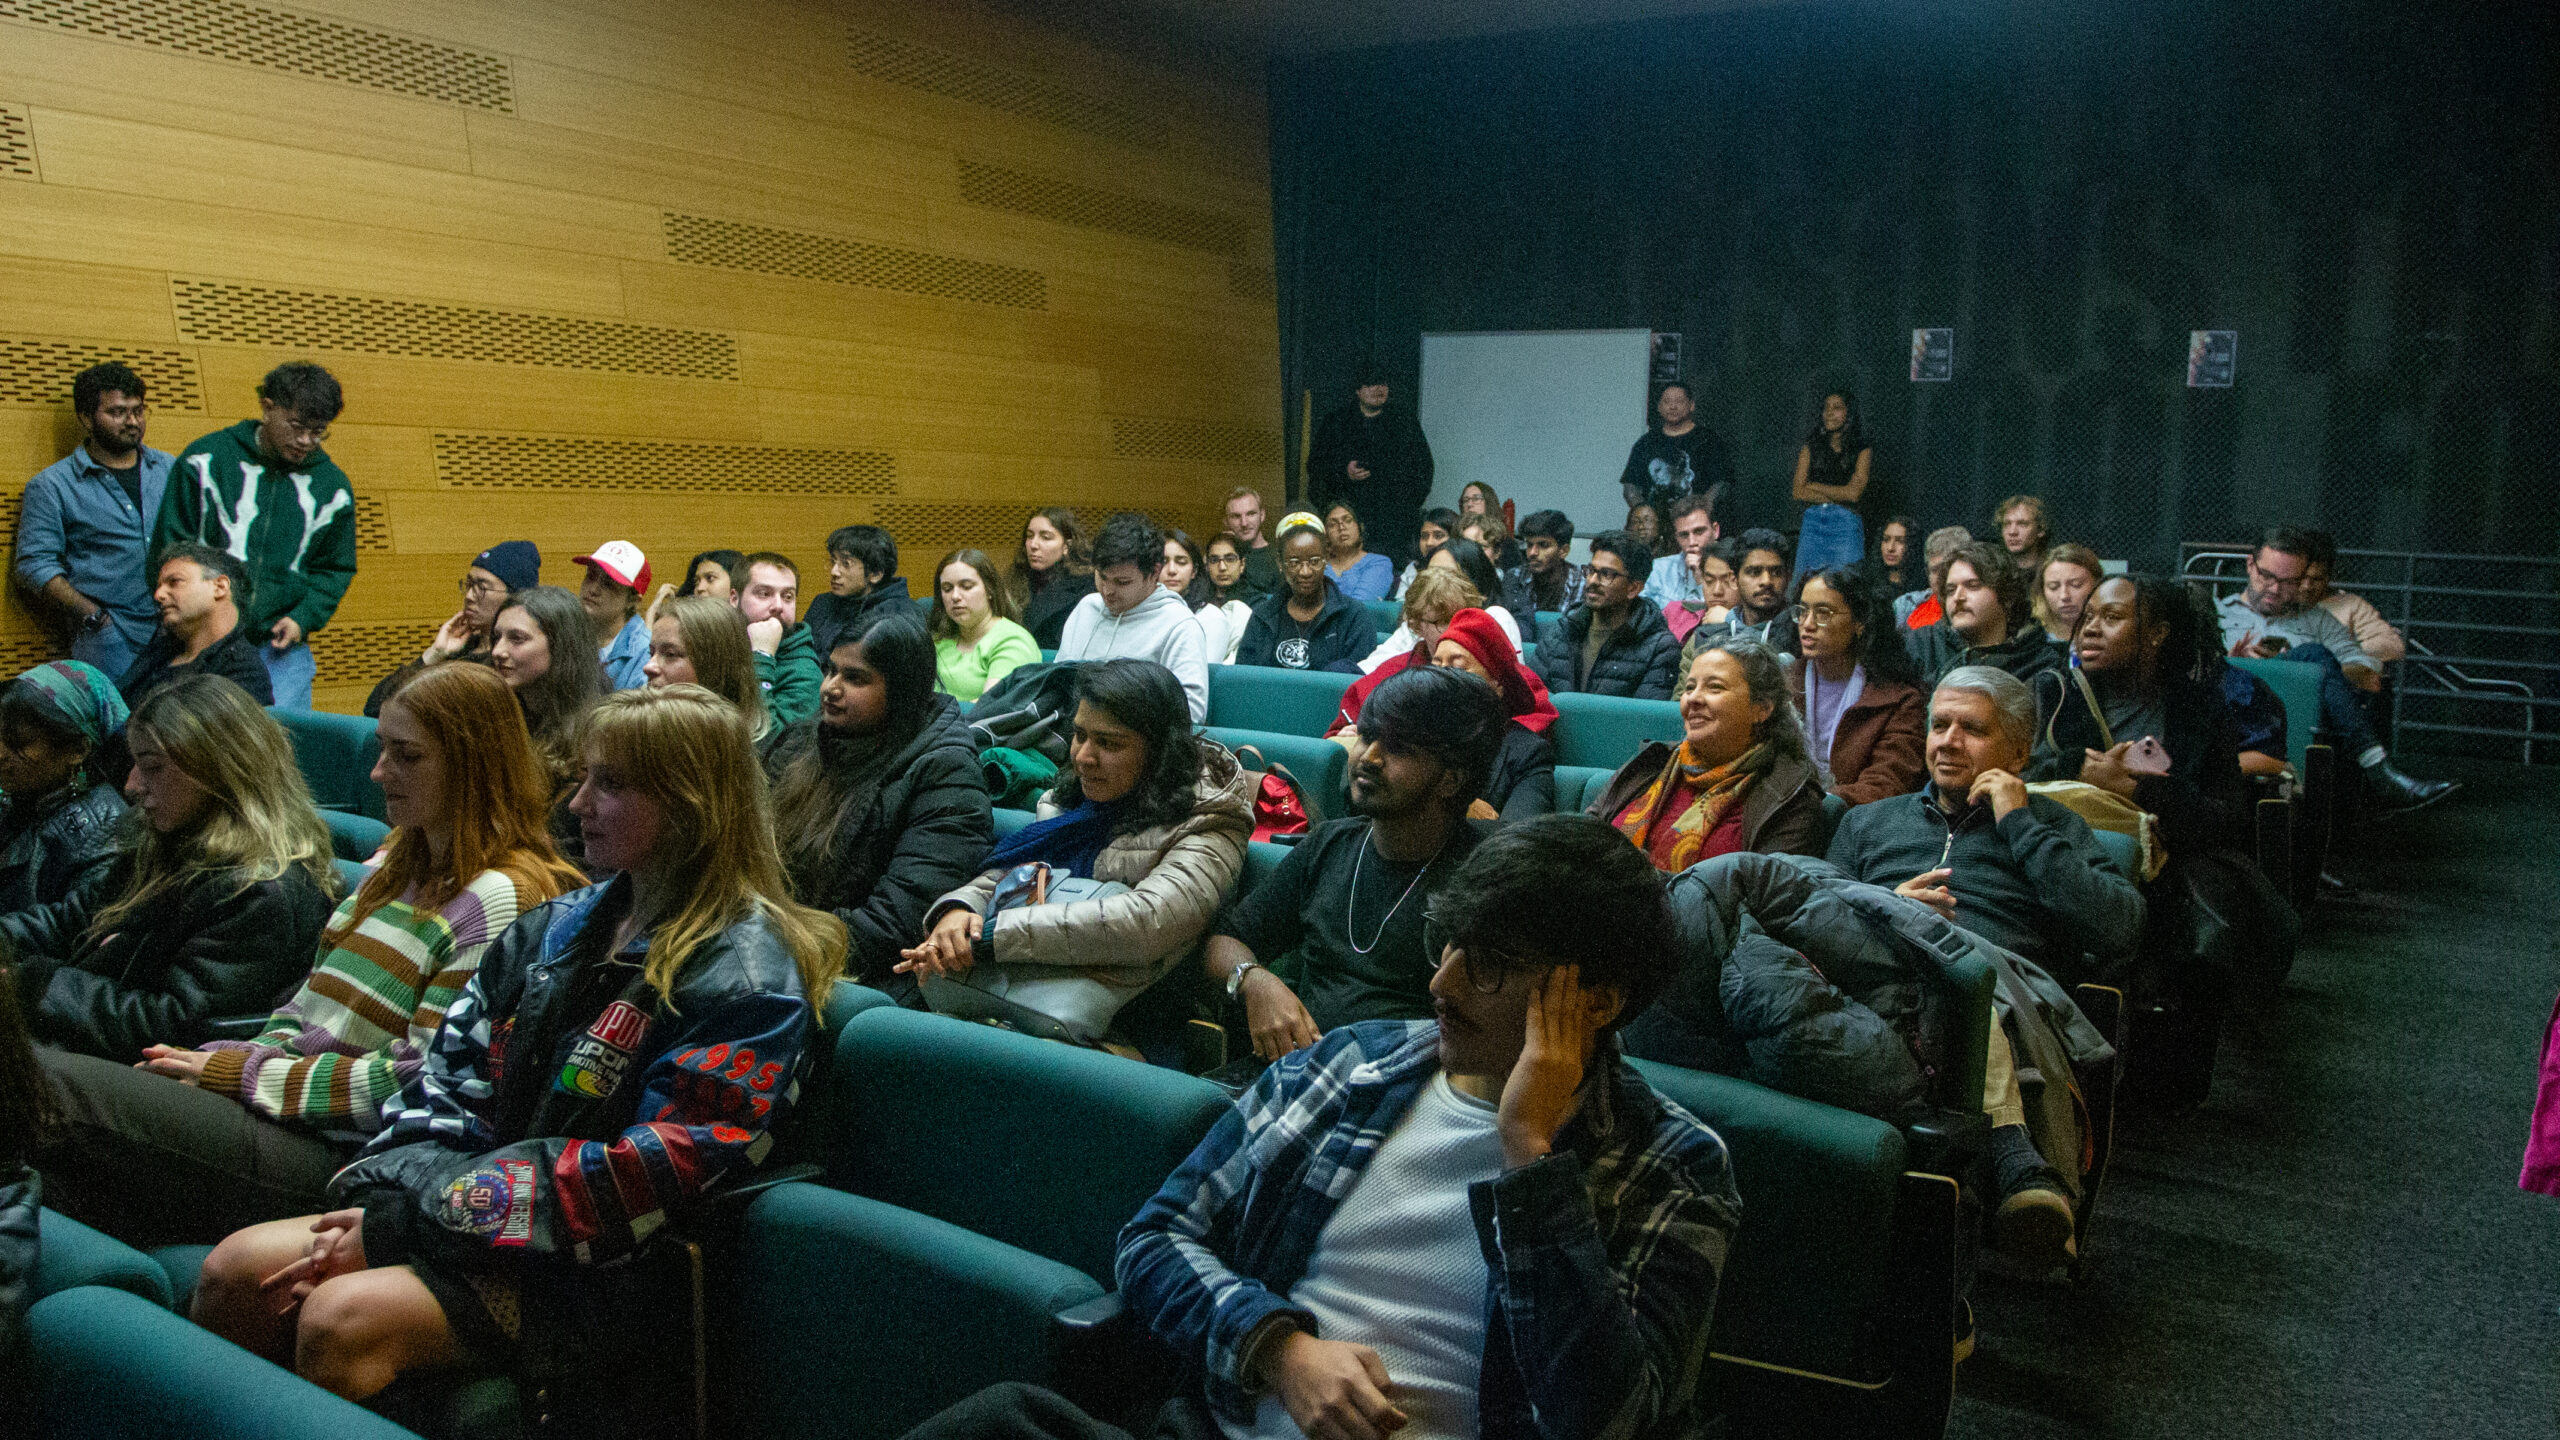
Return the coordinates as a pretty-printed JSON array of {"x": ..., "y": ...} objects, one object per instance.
[{"x": 1603, "y": 1257}]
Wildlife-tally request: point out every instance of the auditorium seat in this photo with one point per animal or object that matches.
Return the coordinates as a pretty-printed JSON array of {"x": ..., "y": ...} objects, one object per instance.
[
  {"x": 335, "y": 754},
  {"x": 1386, "y": 615},
  {"x": 1265, "y": 697},
  {"x": 1606, "y": 731},
  {"x": 1579, "y": 786},
  {"x": 1321, "y": 767},
  {"x": 70, "y": 1255},
  {"x": 352, "y": 836}
]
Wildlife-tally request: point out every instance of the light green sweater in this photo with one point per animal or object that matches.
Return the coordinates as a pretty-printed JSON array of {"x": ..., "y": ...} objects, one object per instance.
[{"x": 965, "y": 674}]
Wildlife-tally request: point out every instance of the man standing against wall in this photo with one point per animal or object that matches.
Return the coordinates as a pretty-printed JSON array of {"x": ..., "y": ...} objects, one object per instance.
[
  {"x": 264, "y": 492},
  {"x": 84, "y": 532},
  {"x": 1677, "y": 457},
  {"x": 1373, "y": 454}
]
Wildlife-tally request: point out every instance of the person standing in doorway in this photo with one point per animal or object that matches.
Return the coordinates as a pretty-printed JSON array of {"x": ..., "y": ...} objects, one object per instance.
[
  {"x": 84, "y": 530},
  {"x": 1372, "y": 453}
]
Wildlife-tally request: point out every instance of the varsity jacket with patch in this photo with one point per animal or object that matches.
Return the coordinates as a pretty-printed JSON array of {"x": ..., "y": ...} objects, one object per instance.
[{"x": 293, "y": 527}]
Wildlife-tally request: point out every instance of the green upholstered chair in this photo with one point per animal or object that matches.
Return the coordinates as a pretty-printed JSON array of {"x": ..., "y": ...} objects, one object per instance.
[
  {"x": 1321, "y": 768},
  {"x": 976, "y": 1183},
  {"x": 336, "y": 755},
  {"x": 2307, "y": 823},
  {"x": 353, "y": 836},
  {"x": 1386, "y": 615},
  {"x": 1578, "y": 786},
  {"x": 70, "y": 1255},
  {"x": 2298, "y": 688},
  {"x": 106, "y": 1365},
  {"x": 1834, "y": 809},
  {"x": 1265, "y": 697},
  {"x": 1606, "y": 731}
]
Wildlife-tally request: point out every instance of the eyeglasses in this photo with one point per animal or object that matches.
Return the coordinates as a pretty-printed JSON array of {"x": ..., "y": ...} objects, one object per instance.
[
  {"x": 1488, "y": 967},
  {"x": 1823, "y": 616},
  {"x": 474, "y": 589},
  {"x": 2274, "y": 581},
  {"x": 313, "y": 433},
  {"x": 1594, "y": 572},
  {"x": 1303, "y": 566}
]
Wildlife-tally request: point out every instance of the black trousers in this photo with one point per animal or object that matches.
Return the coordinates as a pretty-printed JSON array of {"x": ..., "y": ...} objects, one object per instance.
[
  {"x": 1015, "y": 1411},
  {"x": 154, "y": 1162}
]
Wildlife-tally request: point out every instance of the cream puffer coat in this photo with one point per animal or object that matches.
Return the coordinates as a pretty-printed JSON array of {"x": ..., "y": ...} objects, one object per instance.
[{"x": 1178, "y": 875}]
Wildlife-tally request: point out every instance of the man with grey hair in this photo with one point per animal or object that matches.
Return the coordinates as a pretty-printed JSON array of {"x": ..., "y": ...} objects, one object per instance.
[{"x": 2019, "y": 870}]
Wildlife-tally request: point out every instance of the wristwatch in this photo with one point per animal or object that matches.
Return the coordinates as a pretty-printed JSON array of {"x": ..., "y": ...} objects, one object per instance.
[
  {"x": 1235, "y": 978},
  {"x": 95, "y": 619}
]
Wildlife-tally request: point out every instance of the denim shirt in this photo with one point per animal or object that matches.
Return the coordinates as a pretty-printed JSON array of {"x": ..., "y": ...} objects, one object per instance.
[
  {"x": 626, "y": 653},
  {"x": 1671, "y": 579},
  {"x": 78, "y": 522}
]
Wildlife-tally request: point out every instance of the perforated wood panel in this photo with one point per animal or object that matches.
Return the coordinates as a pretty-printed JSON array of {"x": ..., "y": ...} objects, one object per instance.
[
  {"x": 700, "y": 240},
  {"x": 17, "y": 144},
  {"x": 257, "y": 315},
  {"x": 373, "y": 526},
  {"x": 1068, "y": 203},
  {"x": 1252, "y": 282},
  {"x": 921, "y": 67},
  {"x": 554, "y": 463},
  {"x": 1205, "y": 441},
  {"x": 927, "y": 528},
  {"x": 23, "y": 652},
  {"x": 363, "y": 654},
  {"x": 39, "y": 372},
  {"x": 9, "y": 508},
  {"x": 275, "y": 40}
]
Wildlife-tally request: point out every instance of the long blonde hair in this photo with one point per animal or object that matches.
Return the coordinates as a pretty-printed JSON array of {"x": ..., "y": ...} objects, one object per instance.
[
  {"x": 496, "y": 800},
  {"x": 687, "y": 749},
  {"x": 258, "y": 820},
  {"x": 724, "y": 660}
]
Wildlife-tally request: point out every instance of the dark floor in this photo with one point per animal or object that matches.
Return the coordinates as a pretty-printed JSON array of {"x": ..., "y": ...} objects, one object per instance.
[{"x": 2335, "y": 1245}]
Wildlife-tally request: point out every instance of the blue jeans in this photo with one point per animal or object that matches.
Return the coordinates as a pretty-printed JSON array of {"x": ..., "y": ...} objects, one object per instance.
[
  {"x": 290, "y": 672},
  {"x": 2339, "y": 710},
  {"x": 107, "y": 648},
  {"x": 1831, "y": 535}
]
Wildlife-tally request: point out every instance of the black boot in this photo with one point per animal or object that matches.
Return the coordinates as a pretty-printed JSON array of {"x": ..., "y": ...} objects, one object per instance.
[{"x": 2393, "y": 793}]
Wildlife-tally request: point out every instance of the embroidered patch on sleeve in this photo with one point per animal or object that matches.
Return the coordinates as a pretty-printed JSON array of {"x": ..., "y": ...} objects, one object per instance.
[
  {"x": 602, "y": 1056},
  {"x": 494, "y": 1201}
]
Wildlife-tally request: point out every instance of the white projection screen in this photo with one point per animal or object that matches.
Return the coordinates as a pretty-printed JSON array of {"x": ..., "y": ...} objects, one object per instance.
[{"x": 1543, "y": 416}]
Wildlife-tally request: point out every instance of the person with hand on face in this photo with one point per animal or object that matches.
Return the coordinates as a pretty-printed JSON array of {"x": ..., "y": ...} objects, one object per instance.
[
  {"x": 1130, "y": 616},
  {"x": 60, "y": 828},
  {"x": 617, "y": 576},
  {"x": 1518, "y": 1238},
  {"x": 976, "y": 639},
  {"x": 1359, "y": 574},
  {"x": 1988, "y": 621},
  {"x": 713, "y": 574},
  {"x": 1555, "y": 582},
  {"x": 193, "y": 1144},
  {"x": 214, "y": 909},
  {"x": 1865, "y": 721},
  {"x": 201, "y": 632},
  {"x": 1348, "y": 901},
  {"x": 1221, "y": 622},
  {"x": 786, "y": 657},
  {"x": 544, "y": 651},
  {"x": 877, "y": 800},
  {"x": 862, "y": 583},
  {"x": 1615, "y": 642},
  {"x": 698, "y": 640},
  {"x": 494, "y": 575},
  {"x": 1309, "y": 625},
  {"x": 1738, "y": 780},
  {"x": 588, "y": 1090},
  {"x": 1674, "y": 577},
  {"x": 1438, "y": 524},
  {"x": 1052, "y": 574},
  {"x": 1260, "y": 572},
  {"x": 1372, "y": 454},
  {"x": 2378, "y": 638},
  {"x": 2062, "y": 590},
  {"x": 83, "y": 535},
  {"x": 264, "y": 491},
  {"x": 1144, "y": 805}
]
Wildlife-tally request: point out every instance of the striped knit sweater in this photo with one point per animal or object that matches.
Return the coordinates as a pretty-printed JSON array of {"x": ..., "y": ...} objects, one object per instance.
[{"x": 337, "y": 1054}]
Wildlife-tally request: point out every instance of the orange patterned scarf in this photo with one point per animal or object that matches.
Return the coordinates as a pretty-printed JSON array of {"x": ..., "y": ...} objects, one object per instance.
[{"x": 1713, "y": 792}]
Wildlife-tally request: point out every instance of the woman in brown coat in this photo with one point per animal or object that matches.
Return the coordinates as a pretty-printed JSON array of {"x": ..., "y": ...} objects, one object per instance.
[{"x": 1865, "y": 719}]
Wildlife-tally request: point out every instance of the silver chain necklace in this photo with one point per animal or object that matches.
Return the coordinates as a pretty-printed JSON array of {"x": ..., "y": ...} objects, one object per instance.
[{"x": 1352, "y": 897}]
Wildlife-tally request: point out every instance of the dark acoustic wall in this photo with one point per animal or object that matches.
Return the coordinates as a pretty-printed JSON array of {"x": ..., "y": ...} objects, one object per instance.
[{"x": 2365, "y": 193}]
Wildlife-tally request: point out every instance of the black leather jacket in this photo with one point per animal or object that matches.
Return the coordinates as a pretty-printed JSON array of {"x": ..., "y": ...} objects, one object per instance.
[
  {"x": 212, "y": 947},
  {"x": 54, "y": 846}
]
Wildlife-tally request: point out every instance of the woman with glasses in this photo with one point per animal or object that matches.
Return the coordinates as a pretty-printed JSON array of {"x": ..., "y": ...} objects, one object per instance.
[
  {"x": 1866, "y": 720},
  {"x": 493, "y": 577},
  {"x": 1309, "y": 625},
  {"x": 1738, "y": 780}
]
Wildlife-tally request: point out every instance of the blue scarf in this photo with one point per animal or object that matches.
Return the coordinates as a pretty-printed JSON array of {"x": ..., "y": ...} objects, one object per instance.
[{"x": 1068, "y": 842}]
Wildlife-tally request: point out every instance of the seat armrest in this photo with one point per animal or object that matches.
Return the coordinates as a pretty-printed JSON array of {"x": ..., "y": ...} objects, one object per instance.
[{"x": 1947, "y": 1142}]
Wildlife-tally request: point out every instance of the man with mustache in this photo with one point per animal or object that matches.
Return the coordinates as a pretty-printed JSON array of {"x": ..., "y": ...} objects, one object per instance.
[{"x": 1985, "y": 600}]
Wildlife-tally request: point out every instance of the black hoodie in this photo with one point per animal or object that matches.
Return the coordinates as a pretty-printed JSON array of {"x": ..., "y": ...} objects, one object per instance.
[{"x": 834, "y": 619}]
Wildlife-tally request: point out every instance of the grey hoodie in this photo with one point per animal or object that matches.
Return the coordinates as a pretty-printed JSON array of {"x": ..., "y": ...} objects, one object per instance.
[{"x": 1159, "y": 628}]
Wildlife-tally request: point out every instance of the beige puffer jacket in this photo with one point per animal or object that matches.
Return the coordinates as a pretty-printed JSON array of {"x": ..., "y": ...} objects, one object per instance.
[{"x": 1178, "y": 875}]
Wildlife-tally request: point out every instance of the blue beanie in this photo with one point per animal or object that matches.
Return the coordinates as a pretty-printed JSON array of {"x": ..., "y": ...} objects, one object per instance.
[{"x": 516, "y": 563}]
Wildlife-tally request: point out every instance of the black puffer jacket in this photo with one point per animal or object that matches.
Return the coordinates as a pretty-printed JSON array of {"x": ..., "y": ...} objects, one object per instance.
[
  {"x": 1641, "y": 658},
  {"x": 212, "y": 947},
  {"x": 926, "y": 833},
  {"x": 57, "y": 846},
  {"x": 834, "y": 619}
]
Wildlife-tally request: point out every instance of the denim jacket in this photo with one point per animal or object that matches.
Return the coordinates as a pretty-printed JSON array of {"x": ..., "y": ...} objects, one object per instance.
[
  {"x": 1603, "y": 1257},
  {"x": 78, "y": 522}
]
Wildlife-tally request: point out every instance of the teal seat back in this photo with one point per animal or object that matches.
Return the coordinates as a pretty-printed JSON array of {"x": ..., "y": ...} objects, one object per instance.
[
  {"x": 1385, "y": 615},
  {"x": 2298, "y": 686},
  {"x": 1265, "y": 697},
  {"x": 1261, "y": 860},
  {"x": 106, "y": 1365},
  {"x": 1577, "y": 786},
  {"x": 1969, "y": 1031},
  {"x": 1321, "y": 767},
  {"x": 70, "y": 1255},
  {"x": 350, "y": 873},
  {"x": 1047, "y": 1147},
  {"x": 2121, "y": 849},
  {"x": 335, "y": 754},
  {"x": 353, "y": 836},
  {"x": 1813, "y": 1259},
  {"x": 1008, "y": 821},
  {"x": 1834, "y": 809},
  {"x": 1606, "y": 731}
]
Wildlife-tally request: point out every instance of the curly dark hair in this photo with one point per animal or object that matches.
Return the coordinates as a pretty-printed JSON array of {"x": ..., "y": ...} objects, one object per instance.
[
  {"x": 1567, "y": 889},
  {"x": 1992, "y": 565},
  {"x": 1144, "y": 696},
  {"x": 1879, "y": 646}
]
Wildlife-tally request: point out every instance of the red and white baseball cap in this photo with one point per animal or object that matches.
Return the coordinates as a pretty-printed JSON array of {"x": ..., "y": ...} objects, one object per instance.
[{"x": 622, "y": 562}]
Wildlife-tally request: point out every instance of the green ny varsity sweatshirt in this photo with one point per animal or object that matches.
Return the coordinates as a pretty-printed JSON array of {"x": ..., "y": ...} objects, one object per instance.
[{"x": 295, "y": 530}]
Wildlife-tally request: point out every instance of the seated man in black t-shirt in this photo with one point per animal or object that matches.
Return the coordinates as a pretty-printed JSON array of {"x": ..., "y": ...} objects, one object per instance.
[{"x": 1349, "y": 900}]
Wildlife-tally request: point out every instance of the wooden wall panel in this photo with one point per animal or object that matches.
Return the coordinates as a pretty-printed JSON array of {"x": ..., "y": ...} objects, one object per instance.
[{"x": 868, "y": 342}]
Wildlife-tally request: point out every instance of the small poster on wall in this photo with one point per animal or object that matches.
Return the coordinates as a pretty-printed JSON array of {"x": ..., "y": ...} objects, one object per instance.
[
  {"x": 2213, "y": 357},
  {"x": 1933, "y": 355},
  {"x": 1666, "y": 356}
]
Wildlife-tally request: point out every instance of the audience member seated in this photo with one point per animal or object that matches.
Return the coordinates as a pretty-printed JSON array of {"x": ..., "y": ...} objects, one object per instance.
[
  {"x": 1519, "y": 1236},
  {"x": 1464, "y": 557},
  {"x": 719, "y": 574},
  {"x": 2268, "y": 620},
  {"x": 2062, "y": 590},
  {"x": 697, "y": 640},
  {"x": 1675, "y": 576},
  {"x": 1221, "y": 622},
  {"x": 1309, "y": 624},
  {"x": 502, "y": 1195},
  {"x": 194, "y": 1144},
  {"x": 1738, "y": 780},
  {"x": 1155, "y": 816},
  {"x": 1492, "y": 534},
  {"x": 493, "y": 575},
  {"x": 977, "y": 640},
  {"x": 546, "y": 654},
  {"x": 1719, "y": 590},
  {"x": 1919, "y": 609},
  {"x": 214, "y": 910},
  {"x": 1645, "y": 523},
  {"x": 1349, "y": 901},
  {"x": 60, "y": 828},
  {"x": 1897, "y": 566},
  {"x": 2026, "y": 531},
  {"x": 1762, "y": 573},
  {"x": 862, "y": 582},
  {"x": 1051, "y": 574},
  {"x": 1438, "y": 524},
  {"x": 1130, "y": 616},
  {"x": 1555, "y": 582},
  {"x": 1360, "y": 575},
  {"x": 1615, "y": 642},
  {"x": 198, "y": 591},
  {"x": 1523, "y": 780},
  {"x": 877, "y": 799},
  {"x": 617, "y": 576},
  {"x": 1438, "y": 593},
  {"x": 1865, "y": 721},
  {"x": 1261, "y": 573},
  {"x": 1833, "y": 467},
  {"x": 1988, "y": 620},
  {"x": 1228, "y": 571},
  {"x": 2377, "y": 637}
]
